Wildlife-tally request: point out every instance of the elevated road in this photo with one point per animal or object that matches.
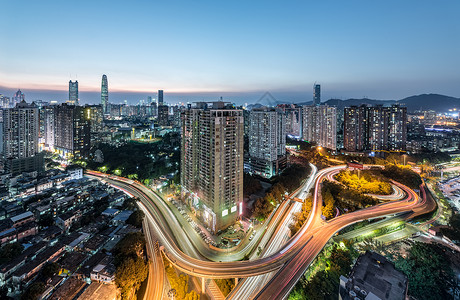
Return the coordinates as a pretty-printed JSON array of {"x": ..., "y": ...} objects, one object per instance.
[{"x": 291, "y": 260}]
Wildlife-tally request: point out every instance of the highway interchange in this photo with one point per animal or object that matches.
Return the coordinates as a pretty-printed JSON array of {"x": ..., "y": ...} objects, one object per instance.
[{"x": 273, "y": 274}]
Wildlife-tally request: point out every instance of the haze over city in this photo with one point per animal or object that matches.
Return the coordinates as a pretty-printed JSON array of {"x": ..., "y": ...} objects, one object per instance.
[
  {"x": 230, "y": 150},
  {"x": 204, "y": 50}
]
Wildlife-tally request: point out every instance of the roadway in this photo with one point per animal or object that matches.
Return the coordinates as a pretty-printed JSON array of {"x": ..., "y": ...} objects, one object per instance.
[{"x": 291, "y": 260}]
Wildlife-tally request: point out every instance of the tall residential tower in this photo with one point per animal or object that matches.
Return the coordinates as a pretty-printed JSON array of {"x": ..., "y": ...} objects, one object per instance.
[
  {"x": 267, "y": 141},
  {"x": 212, "y": 162}
]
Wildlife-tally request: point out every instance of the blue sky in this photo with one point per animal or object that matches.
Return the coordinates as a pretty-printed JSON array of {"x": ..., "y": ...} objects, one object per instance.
[{"x": 384, "y": 49}]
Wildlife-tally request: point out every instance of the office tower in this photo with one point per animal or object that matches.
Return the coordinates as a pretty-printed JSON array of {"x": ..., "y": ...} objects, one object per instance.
[
  {"x": 267, "y": 141},
  {"x": 20, "y": 138},
  {"x": 373, "y": 128},
  {"x": 397, "y": 128},
  {"x": 149, "y": 100},
  {"x": 160, "y": 97},
  {"x": 73, "y": 93},
  {"x": 72, "y": 131},
  {"x": 316, "y": 94},
  {"x": 105, "y": 95},
  {"x": 163, "y": 115},
  {"x": 17, "y": 98},
  {"x": 212, "y": 162},
  {"x": 320, "y": 125}
]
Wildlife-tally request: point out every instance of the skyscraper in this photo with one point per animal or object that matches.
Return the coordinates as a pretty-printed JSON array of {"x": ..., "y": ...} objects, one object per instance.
[
  {"x": 267, "y": 141},
  {"x": 17, "y": 98},
  {"x": 212, "y": 162},
  {"x": 104, "y": 95},
  {"x": 73, "y": 93},
  {"x": 320, "y": 125},
  {"x": 20, "y": 138},
  {"x": 316, "y": 94},
  {"x": 160, "y": 97},
  {"x": 72, "y": 131}
]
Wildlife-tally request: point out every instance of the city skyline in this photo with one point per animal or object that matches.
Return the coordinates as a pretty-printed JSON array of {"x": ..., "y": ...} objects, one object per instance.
[{"x": 196, "y": 49}]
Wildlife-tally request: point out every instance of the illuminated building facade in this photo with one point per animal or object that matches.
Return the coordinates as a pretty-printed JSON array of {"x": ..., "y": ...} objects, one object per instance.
[
  {"x": 320, "y": 125},
  {"x": 212, "y": 162},
  {"x": 267, "y": 142},
  {"x": 105, "y": 95}
]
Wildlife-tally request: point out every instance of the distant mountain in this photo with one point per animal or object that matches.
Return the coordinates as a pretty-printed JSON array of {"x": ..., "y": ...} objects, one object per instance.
[{"x": 436, "y": 102}]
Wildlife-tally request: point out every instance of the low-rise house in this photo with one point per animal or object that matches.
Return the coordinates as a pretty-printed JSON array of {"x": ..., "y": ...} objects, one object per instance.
[
  {"x": 66, "y": 220},
  {"x": 104, "y": 271},
  {"x": 22, "y": 219}
]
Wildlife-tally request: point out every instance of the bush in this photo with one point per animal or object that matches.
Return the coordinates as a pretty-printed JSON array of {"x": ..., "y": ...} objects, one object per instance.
[
  {"x": 403, "y": 175},
  {"x": 225, "y": 285},
  {"x": 136, "y": 218},
  {"x": 366, "y": 183}
]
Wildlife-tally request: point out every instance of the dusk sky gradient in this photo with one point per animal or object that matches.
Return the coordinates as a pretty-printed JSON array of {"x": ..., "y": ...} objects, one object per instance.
[{"x": 237, "y": 49}]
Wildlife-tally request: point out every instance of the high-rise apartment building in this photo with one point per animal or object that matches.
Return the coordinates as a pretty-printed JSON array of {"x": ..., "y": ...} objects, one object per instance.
[
  {"x": 316, "y": 94},
  {"x": 73, "y": 93},
  {"x": 105, "y": 95},
  {"x": 49, "y": 124},
  {"x": 212, "y": 162},
  {"x": 160, "y": 98},
  {"x": 20, "y": 138},
  {"x": 320, "y": 125},
  {"x": 375, "y": 128},
  {"x": 293, "y": 115},
  {"x": 72, "y": 131},
  {"x": 397, "y": 128},
  {"x": 163, "y": 115},
  {"x": 267, "y": 141}
]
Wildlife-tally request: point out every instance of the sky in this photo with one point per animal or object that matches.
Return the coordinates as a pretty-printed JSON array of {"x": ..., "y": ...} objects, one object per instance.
[{"x": 201, "y": 50}]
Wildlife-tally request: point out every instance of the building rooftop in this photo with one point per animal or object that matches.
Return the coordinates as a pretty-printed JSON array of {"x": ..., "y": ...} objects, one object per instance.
[
  {"x": 22, "y": 216},
  {"x": 373, "y": 277}
]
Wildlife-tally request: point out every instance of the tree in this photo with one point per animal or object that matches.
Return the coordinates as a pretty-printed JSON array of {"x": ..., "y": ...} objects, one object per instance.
[
  {"x": 131, "y": 245},
  {"x": 10, "y": 251},
  {"x": 34, "y": 291},
  {"x": 429, "y": 272},
  {"x": 129, "y": 204},
  {"x": 136, "y": 218},
  {"x": 46, "y": 220},
  {"x": 50, "y": 269},
  {"x": 130, "y": 274}
]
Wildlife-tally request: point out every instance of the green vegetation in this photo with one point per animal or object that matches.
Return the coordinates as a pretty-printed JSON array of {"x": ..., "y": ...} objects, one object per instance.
[
  {"x": 453, "y": 231},
  {"x": 429, "y": 272},
  {"x": 46, "y": 220},
  {"x": 403, "y": 175},
  {"x": 302, "y": 216},
  {"x": 287, "y": 182},
  {"x": 10, "y": 251},
  {"x": 365, "y": 182},
  {"x": 328, "y": 204},
  {"x": 50, "y": 269},
  {"x": 131, "y": 268},
  {"x": 381, "y": 231},
  {"x": 136, "y": 218},
  {"x": 34, "y": 291},
  {"x": 225, "y": 285},
  {"x": 347, "y": 199},
  {"x": 250, "y": 184},
  {"x": 139, "y": 161},
  {"x": 180, "y": 284},
  {"x": 322, "y": 279}
]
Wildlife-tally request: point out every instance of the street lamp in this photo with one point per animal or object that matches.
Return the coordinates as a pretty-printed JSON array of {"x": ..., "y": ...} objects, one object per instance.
[{"x": 404, "y": 157}]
